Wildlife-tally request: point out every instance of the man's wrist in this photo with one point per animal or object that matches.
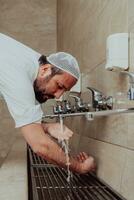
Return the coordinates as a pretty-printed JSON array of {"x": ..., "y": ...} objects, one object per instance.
[{"x": 75, "y": 165}]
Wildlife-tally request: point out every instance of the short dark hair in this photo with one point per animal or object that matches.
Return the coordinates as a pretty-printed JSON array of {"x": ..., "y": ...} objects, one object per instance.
[
  {"x": 43, "y": 60},
  {"x": 55, "y": 70}
]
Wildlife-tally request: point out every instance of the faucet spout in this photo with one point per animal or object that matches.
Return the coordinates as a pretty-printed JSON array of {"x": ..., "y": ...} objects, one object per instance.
[
  {"x": 79, "y": 105},
  {"x": 131, "y": 77},
  {"x": 95, "y": 92},
  {"x": 131, "y": 81},
  {"x": 96, "y": 97},
  {"x": 100, "y": 101}
]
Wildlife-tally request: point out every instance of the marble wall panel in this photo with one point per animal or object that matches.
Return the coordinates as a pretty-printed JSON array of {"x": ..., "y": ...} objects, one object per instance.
[
  {"x": 111, "y": 160},
  {"x": 31, "y": 22},
  {"x": 127, "y": 182}
]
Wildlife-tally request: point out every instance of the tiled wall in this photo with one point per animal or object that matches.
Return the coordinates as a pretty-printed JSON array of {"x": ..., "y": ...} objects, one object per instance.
[
  {"x": 34, "y": 24},
  {"x": 7, "y": 131},
  {"x": 83, "y": 26}
]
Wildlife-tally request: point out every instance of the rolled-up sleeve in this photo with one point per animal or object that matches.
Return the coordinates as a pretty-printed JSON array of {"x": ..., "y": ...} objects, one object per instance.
[{"x": 31, "y": 115}]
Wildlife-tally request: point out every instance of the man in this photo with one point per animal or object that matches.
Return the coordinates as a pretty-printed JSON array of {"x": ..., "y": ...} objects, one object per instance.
[{"x": 28, "y": 79}]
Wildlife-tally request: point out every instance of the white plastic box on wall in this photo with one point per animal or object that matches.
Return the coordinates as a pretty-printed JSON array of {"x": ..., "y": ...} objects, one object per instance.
[{"x": 117, "y": 51}]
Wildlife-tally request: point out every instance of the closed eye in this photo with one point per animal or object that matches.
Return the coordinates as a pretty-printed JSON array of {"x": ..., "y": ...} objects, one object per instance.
[{"x": 60, "y": 87}]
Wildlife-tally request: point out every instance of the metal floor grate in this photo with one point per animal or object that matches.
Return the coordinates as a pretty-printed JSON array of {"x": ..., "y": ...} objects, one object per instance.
[{"x": 49, "y": 182}]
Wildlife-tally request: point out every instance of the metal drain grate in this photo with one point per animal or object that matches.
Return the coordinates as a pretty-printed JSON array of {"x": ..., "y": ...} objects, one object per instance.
[{"x": 49, "y": 182}]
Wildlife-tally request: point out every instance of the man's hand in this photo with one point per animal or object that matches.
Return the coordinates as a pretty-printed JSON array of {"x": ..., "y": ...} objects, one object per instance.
[
  {"x": 54, "y": 129},
  {"x": 87, "y": 163}
]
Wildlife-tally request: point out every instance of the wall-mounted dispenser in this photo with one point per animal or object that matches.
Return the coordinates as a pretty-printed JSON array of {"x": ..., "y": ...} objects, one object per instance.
[{"x": 117, "y": 52}]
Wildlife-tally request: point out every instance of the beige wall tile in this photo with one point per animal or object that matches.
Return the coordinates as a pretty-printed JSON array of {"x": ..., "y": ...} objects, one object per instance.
[
  {"x": 81, "y": 30},
  {"x": 4, "y": 113},
  {"x": 131, "y": 31},
  {"x": 111, "y": 82},
  {"x": 89, "y": 79},
  {"x": 74, "y": 124},
  {"x": 112, "y": 19},
  {"x": 113, "y": 129},
  {"x": 43, "y": 42},
  {"x": 110, "y": 160},
  {"x": 90, "y": 29},
  {"x": 130, "y": 141},
  {"x": 31, "y": 22},
  {"x": 130, "y": 135},
  {"x": 127, "y": 183},
  {"x": 88, "y": 128},
  {"x": 130, "y": 15},
  {"x": 131, "y": 51}
]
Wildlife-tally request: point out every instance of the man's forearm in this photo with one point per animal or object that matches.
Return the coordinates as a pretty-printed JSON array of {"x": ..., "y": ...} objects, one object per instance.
[{"x": 44, "y": 146}]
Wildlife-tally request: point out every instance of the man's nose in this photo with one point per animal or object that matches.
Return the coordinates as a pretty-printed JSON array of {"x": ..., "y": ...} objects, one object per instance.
[{"x": 58, "y": 94}]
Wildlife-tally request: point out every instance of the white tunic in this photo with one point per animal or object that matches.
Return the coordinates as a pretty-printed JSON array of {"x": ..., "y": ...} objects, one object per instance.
[{"x": 18, "y": 70}]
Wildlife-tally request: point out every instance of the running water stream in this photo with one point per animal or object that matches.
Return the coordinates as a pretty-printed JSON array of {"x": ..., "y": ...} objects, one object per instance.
[{"x": 65, "y": 145}]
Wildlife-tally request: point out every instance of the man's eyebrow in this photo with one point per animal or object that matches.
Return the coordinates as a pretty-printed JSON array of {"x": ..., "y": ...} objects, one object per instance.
[{"x": 61, "y": 85}]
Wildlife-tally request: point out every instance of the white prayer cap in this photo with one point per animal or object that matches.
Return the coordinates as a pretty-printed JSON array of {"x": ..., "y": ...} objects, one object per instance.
[{"x": 65, "y": 62}]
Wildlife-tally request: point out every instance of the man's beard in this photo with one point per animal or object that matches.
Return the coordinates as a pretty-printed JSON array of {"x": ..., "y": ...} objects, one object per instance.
[{"x": 40, "y": 95}]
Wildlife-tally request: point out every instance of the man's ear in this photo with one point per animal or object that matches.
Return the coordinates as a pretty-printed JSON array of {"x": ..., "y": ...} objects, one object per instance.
[{"x": 45, "y": 70}]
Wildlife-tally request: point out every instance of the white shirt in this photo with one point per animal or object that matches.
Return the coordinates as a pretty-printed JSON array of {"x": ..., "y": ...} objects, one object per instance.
[{"x": 18, "y": 70}]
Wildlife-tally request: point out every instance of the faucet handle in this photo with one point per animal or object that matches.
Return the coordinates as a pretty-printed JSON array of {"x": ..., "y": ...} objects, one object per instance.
[
  {"x": 131, "y": 76},
  {"x": 97, "y": 97},
  {"x": 95, "y": 92},
  {"x": 79, "y": 105},
  {"x": 77, "y": 99},
  {"x": 100, "y": 101},
  {"x": 66, "y": 106},
  {"x": 131, "y": 82},
  {"x": 109, "y": 102},
  {"x": 57, "y": 109}
]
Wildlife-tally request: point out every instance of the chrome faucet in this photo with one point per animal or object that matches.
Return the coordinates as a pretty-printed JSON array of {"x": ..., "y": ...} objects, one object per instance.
[
  {"x": 100, "y": 101},
  {"x": 66, "y": 106},
  {"x": 58, "y": 108},
  {"x": 131, "y": 81},
  {"x": 79, "y": 105},
  {"x": 62, "y": 107}
]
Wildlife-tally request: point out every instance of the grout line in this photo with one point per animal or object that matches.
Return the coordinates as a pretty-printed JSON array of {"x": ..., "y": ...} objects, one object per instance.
[
  {"x": 112, "y": 143},
  {"x": 124, "y": 167},
  {"x": 97, "y": 65}
]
